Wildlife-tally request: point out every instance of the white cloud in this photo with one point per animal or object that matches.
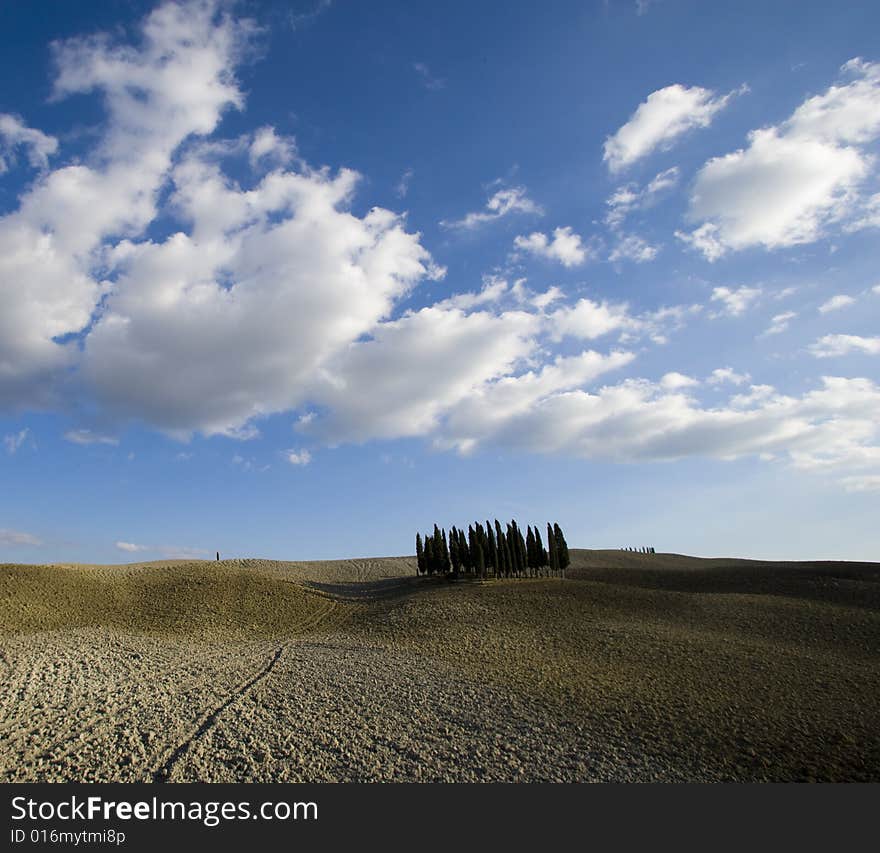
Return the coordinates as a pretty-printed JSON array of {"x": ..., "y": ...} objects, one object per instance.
[
  {"x": 86, "y": 436},
  {"x": 588, "y": 320},
  {"x": 834, "y": 427},
  {"x": 369, "y": 396},
  {"x": 836, "y": 302},
  {"x": 867, "y": 215},
  {"x": 565, "y": 246},
  {"x": 13, "y": 441},
  {"x": 704, "y": 239},
  {"x": 501, "y": 203},
  {"x": 14, "y": 133},
  {"x": 633, "y": 248},
  {"x": 167, "y": 551},
  {"x": 18, "y": 537},
  {"x": 831, "y": 346},
  {"x": 780, "y": 322},
  {"x": 298, "y": 457},
  {"x": 269, "y": 146},
  {"x": 630, "y": 197},
  {"x": 209, "y": 330},
  {"x": 659, "y": 120},
  {"x": 727, "y": 374},
  {"x": 131, "y": 547},
  {"x": 176, "y": 83},
  {"x": 493, "y": 291},
  {"x": 792, "y": 180},
  {"x": 675, "y": 381},
  {"x": 735, "y": 302}
]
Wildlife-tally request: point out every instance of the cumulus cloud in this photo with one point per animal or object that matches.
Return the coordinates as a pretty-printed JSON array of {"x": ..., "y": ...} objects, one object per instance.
[
  {"x": 367, "y": 395},
  {"x": 780, "y": 322},
  {"x": 298, "y": 457},
  {"x": 18, "y": 537},
  {"x": 836, "y": 302},
  {"x": 565, "y": 246},
  {"x": 15, "y": 134},
  {"x": 737, "y": 301},
  {"x": 727, "y": 374},
  {"x": 794, "y": 179},
  {"x": 131, "y": 547},
  {"x": 867, "y": 215},
  {"x": 501, "y": 203},
  {"x": 631, "y": 197},
  {"x": 833, "y": 427},
  {"x": 210, "y": 329},
  {"x": 176, "y": 83},
  {"x": 268, "y": 146},
  {"x": 631, "y": 247},
  {"x": 831, "y": 346},
  {"x": 659, "y": 120},
  {"x": 675, "y": 381}
]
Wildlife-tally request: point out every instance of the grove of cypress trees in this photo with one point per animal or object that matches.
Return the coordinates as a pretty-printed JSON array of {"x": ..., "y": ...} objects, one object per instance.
[{"x": 506, "y": 551}]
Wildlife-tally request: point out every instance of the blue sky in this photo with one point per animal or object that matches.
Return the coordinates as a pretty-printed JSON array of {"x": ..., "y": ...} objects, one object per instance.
[{"x": 298, "y": 279}]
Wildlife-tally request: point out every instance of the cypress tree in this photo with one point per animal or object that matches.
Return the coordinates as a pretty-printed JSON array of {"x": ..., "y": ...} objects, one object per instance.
[
  {"x": 429, "y": 555},
  {"x": 493, "y": 548},
  {"x": 454, "y": 556},
  {"x": 562, "y": 548},
  {"x": 420, "y": 555},
  {"x": 480, "y": 562},
  {"x": 464, "y": 551},
  {"x": 540, "y": 550},
  {"x": 521, "y": 556},
  {"x": 551, "y": 544},
  {"x": 531, "y": 561},
  {"x": 513, "y": 537},
  {"x": 439, "y": 565}
]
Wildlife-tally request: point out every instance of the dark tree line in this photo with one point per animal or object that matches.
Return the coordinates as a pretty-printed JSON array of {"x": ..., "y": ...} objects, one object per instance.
[{"x": 489, "y": 550}]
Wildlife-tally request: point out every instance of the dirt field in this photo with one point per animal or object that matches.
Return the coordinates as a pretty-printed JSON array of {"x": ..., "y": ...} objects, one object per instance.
[{"x": 635, "y": 667}]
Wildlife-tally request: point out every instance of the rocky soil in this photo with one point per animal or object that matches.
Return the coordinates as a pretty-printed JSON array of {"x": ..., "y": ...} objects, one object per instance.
[{"x": 252, "y": 670}]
